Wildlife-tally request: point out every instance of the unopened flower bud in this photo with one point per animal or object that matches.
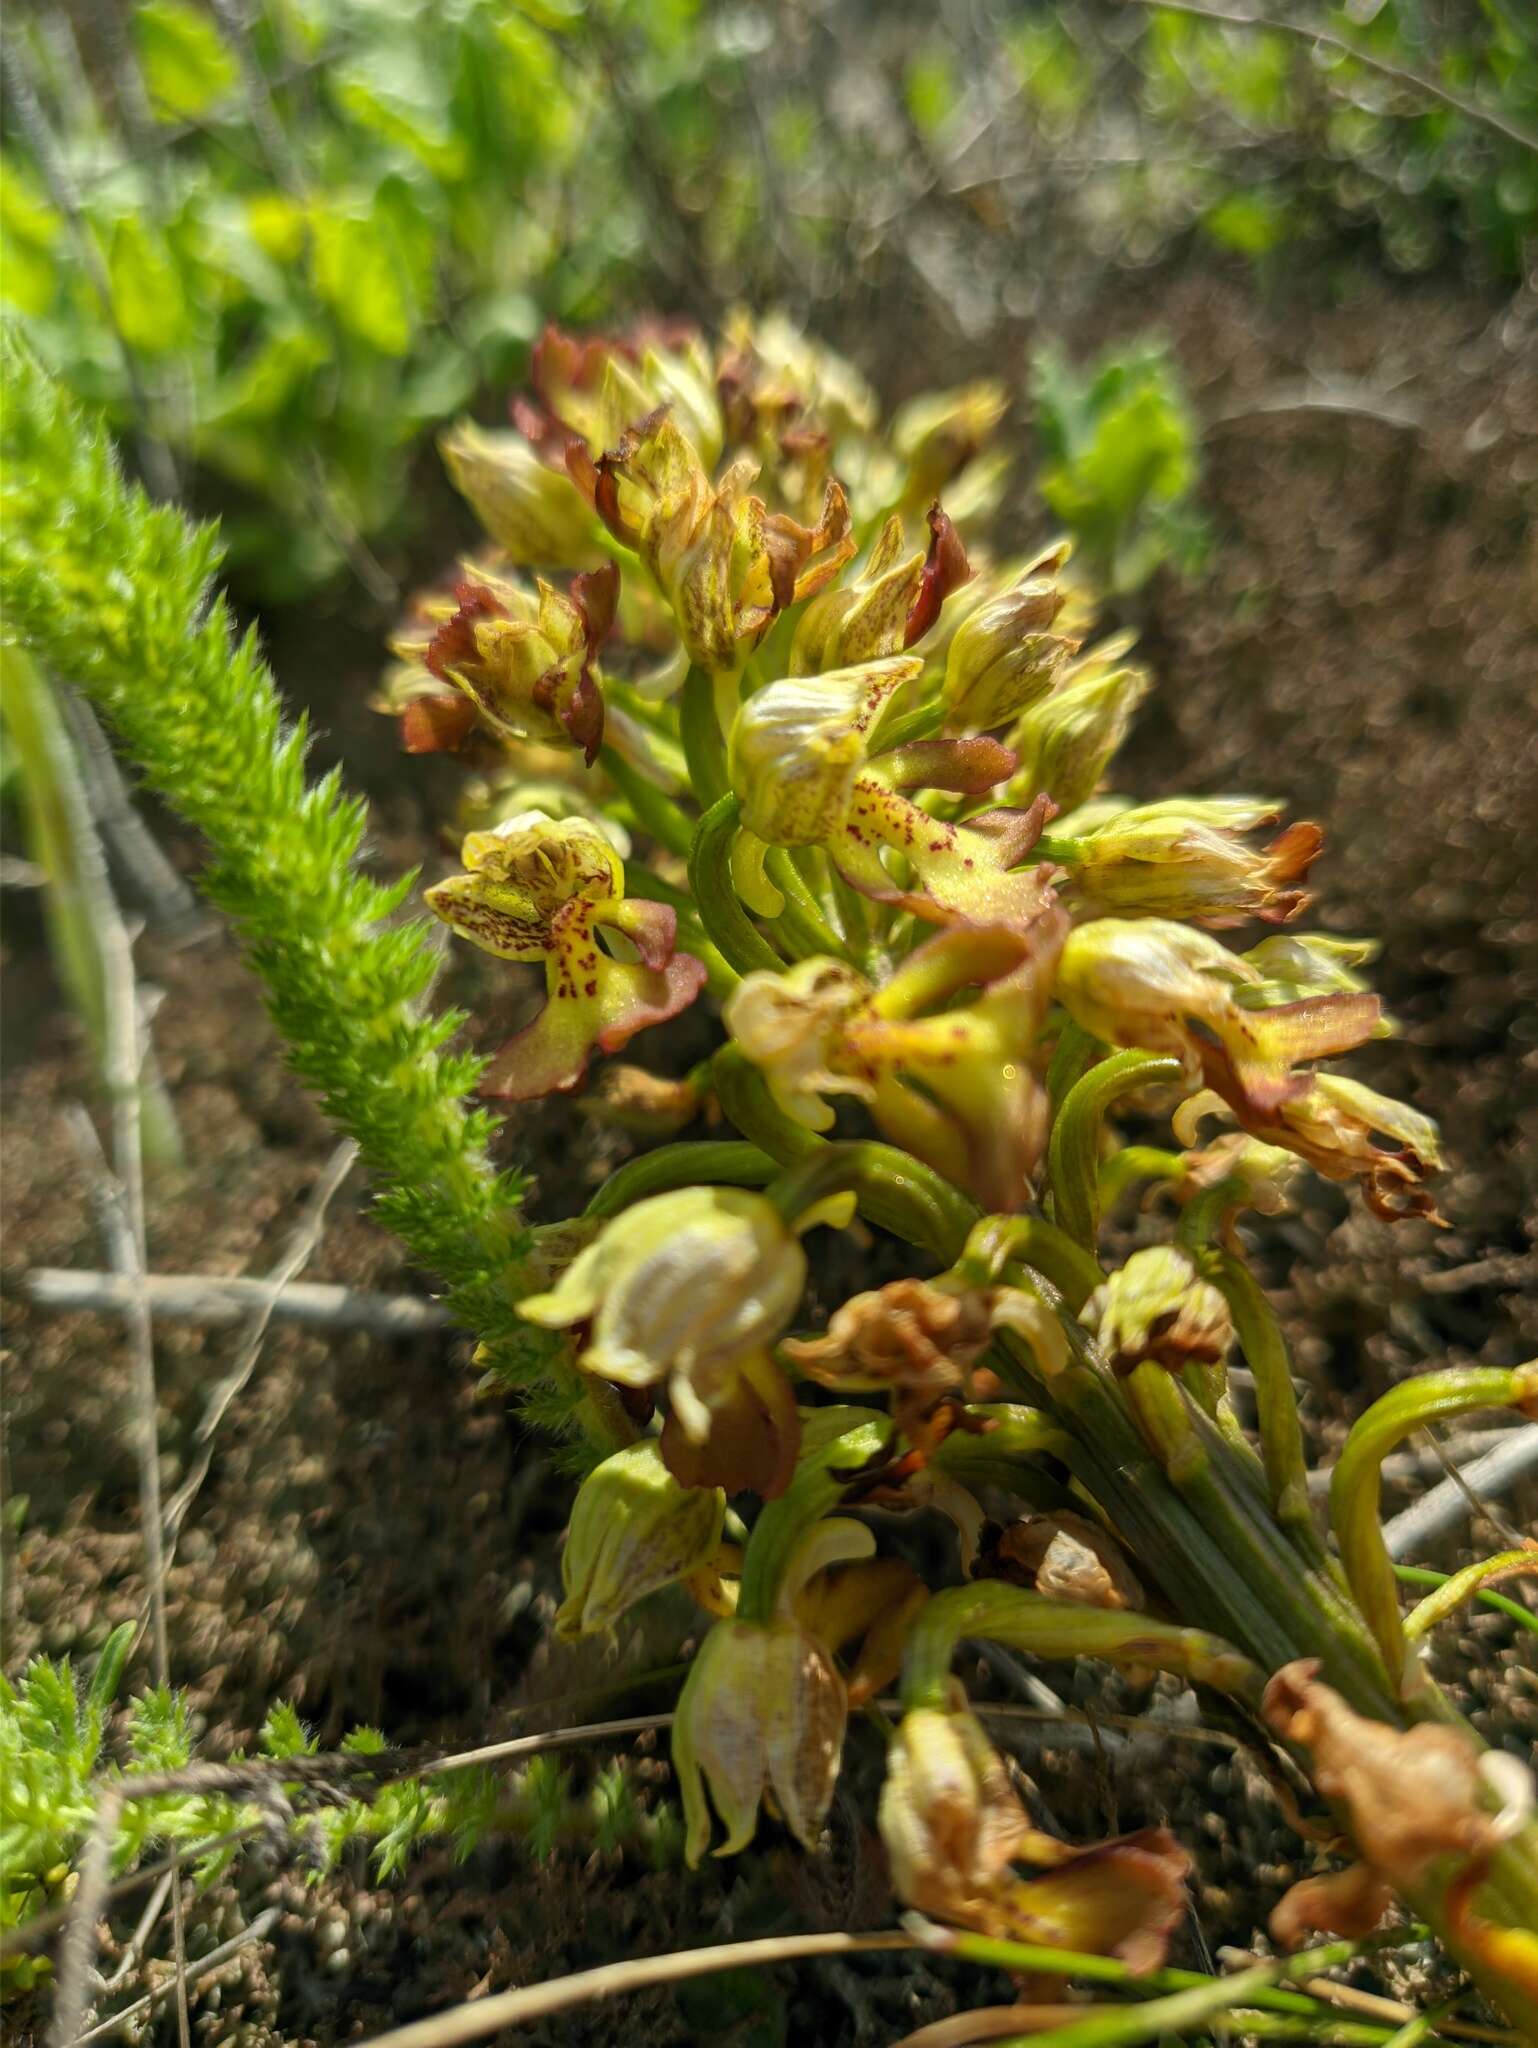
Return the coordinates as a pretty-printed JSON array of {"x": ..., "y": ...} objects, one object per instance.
[
  {"x": 533, "y": 512},
  {"x": 864, "y": 617},
  {"x": 633, "y": 1530},
  {"x": 797, "y": 746},
  {"x": 1004, "y": 657},
  {"x": 1066, "y": 740},
  {"x": 524, "y": 662},
  {"x": 725, "y": 563},
  {"x": 1158, "y": 1307},
  {"x": 939, "y": 433}
]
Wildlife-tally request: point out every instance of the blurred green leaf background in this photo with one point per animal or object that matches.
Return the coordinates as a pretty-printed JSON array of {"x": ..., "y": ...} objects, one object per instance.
[{"x": 281, "y": 241}]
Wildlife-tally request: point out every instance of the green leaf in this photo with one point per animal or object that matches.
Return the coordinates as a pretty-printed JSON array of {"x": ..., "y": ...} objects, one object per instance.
[
  {"x": 358, "y": 271},
  {"x": 108, "y": 1675},
  {"x": 1252, "y": 221},
  {"x": 283, "y": 1733},
  {"x": 931, "y": 91},
  {"x": 187, "y": 70},
  {"x": 277, "y": 225},
  {"x": 147, "y": 297},
  {"x": 385, "y": 93},
  {"x": 158, "y": 1736},
  {"x": 267, "y": 382},
  {"x": 29, "y": 229}
]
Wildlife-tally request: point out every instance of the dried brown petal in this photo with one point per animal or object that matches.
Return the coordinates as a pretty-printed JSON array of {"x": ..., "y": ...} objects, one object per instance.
[
  {"x": 907, "y": 1334},
  {"x": 1066, "y": 1557},
  {"x": 1410, "y": 1795}
]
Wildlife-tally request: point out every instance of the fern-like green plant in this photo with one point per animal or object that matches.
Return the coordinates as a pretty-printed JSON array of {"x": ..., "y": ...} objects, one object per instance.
[
  {"x": 54, "y": 1765},
  {"x": 196, "y": 709}
]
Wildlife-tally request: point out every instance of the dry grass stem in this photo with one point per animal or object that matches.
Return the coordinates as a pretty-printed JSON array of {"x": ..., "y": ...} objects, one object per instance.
[
  {"x": 474, "y": 2020},
  {"x": 204, "y": 1967},
  {"x": 1439, "y": 1511},
  {"x": 216, "y": 1301},
  {"x": 300, "y": 1248}
]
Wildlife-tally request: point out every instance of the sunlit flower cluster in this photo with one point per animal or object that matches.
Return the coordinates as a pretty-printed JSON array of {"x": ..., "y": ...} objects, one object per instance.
[{"x": 758, "y": 721}]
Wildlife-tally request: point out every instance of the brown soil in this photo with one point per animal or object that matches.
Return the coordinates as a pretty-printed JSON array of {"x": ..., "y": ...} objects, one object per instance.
[{"x": 376, "y": 1542}]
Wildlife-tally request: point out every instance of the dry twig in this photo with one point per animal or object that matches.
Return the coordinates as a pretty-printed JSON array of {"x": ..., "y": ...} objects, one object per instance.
[
  {"x": 474, "y": 2020},
  {"x": 216, "y": 1300},
  {"x": 300, "y": 1248},
  {"x": 204, "y": 1967},
  {"x": 1440, "y": 1510}
]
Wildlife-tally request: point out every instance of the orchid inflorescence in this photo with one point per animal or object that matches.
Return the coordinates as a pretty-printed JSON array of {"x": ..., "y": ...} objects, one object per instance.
[{"x": 755, "y": 718}]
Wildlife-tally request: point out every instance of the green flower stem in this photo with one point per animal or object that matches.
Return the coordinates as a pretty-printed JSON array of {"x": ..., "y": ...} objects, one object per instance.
[
  {"x": 857, "y": 914},
  {"x": 1203, "y": 1216},
  {"x": 1199, "y": 1999},
  {"x": 822, "y": 1478},
  {"x": 1281, "y": 1428},
  {"x": 1160, "y": 2019},
  {"x": 1073, "y": 1156},
  {"x": 1167, "y": 1425},
  {"x": 1033, "y": 1242},
  {"x": 699, "y": 726},
  {"x": 730, "y": 928},
  {"x": 720, "y": 977},
  {"x": 894, "y": 1190},
  {"x": 999, "y": 1613},
  {"x": 802, "y": 920},
  {"x": 1357, "y": 1481},
  {"x": 1321, "y": 1589},
  {"x": 1075, "y": 1053},
  {"x": 922, "y": 724},
  {"x": 1002, "y": 1455},
  {"x": 725, "y": 1163},
  {"x": 1223, "y": 1493},
  {"x": 1197, "y": 1576},
  {"x": 1132, "y": 1163},
  {"x": 1028, "y": 1959},
  {"x": 1423, "y": 2027},
  {"x": 1209, "y": 1541},
  {"x": 1418, "y": 1575},
  {"x": 1067, "y": 851},
  {"x": 658, "y": 814},
  {"x": 1463, "y": 1585}
]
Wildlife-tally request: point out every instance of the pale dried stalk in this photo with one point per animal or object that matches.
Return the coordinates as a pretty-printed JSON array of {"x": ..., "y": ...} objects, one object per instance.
[
  {"x": 297, "y": 1252},
  {"x": 217, "y": 1301},
  {"x": 472, "y": 2021}
]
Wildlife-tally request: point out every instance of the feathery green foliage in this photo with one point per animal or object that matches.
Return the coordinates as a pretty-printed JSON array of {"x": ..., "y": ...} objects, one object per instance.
[
  {"x": 196, "y": 711},
  {"x": 51, "y": 1774}
]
